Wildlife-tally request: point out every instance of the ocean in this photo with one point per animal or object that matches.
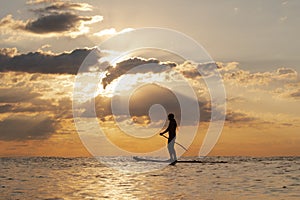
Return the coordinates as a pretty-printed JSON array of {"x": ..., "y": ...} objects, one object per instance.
[{"x": 221, "y": 178}]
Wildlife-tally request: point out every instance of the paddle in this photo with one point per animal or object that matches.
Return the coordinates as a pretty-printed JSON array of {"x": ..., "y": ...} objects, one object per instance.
[{"x": 175, "y": 143}]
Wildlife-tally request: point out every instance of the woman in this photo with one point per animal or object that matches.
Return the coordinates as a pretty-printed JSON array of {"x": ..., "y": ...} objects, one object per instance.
[{"x": 172, "y": 136}]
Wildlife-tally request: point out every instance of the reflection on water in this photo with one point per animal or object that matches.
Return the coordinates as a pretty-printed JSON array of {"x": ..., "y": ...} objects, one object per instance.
[{"x": 86, "y": 178}]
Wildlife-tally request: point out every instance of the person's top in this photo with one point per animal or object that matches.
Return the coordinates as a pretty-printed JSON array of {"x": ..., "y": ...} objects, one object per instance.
[{"x": 172, "y": 129}]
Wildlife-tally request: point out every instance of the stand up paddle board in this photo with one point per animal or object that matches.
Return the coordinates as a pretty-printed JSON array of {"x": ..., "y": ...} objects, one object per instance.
[{"x": 173, "y": 163}]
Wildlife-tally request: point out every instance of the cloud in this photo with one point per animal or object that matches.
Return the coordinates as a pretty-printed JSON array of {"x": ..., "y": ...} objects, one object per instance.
[
  {"x": 63, "y": 109},
  {"x": 286, "y": 73},
  {"x": 41, "y": 1},
  {"x": 148, "y": 95},
  {"x": 8, "y": 24},
  {"x": 237, "y": 99},
  {"x": 38, "y": 62},
  {"x": 34, "y": 106},
  {"x": 283, "y": 19},
  {"x": 102, "y": 106},
  {"x": 225, "y": 67},
  {"x": 192, "y": 70},
  {"x": 9, "y": 52},
  {"x": 295, "y": 94},
  {"x": 5, "y": 108},
  {"x": 233, "y": 74},
  {"x": 56, "y": 19},
  {"x": 22, "y": 127},
  {"x": 188, "y": 70},
  {"x": 237, "y": 76},
  {"x": 239, "y": 117},
  {"x": 48, "y": 95},
  {"x": 111, "y": 31},
  {"x": 113, "y": 72},
  {"x": 59, "y": 6},
  {"x": 9, "y": 95},
  {"x": 59, "y": 23},
  {"x": 143, "y": 98},
  {"x": 141, "y": 101},
  {"x": 288, "y": 91}
]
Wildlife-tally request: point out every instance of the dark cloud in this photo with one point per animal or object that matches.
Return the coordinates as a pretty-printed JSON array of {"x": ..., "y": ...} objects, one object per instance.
[
  {"x": 102, "y": 107},
  {"x": 55, "y": 18},
  {"x": 113, "y": 72},
  {"x": 24, "y": 127},
  {"x": 36, "y": 105},
  {"x": 295, "y": 94},
  {"x": 20, "y": 101},
  {"x": 148, "y": 95},
  {"x": 37, "y": 62},
  {"x": 5, "y": 108},
  {"x": 31, "y": 117},
  {"x": 56, "y": 23},
  {"x": 187, "y": 69},
  {"x": 15, "y": 95},
  {"x": 142, "y": 100},
  {"x": 62, "y": 6},
  {"x": 63, "y": 109}
]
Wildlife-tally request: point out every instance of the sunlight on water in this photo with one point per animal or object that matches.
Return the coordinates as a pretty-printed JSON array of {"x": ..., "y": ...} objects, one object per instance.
[{"x": 86, "y": 178}]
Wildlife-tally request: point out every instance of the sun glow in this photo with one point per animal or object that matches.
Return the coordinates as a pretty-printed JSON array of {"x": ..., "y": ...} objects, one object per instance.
[
  {"x": 121, "y": 87},
  {"x": 111, "y": 31}
]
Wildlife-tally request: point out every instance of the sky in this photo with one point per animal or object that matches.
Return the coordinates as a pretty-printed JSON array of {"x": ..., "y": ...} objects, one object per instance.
[{"x": 43, "y": 43}]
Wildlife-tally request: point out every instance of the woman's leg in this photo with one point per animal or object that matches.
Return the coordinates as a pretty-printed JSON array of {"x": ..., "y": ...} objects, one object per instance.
[{"x": 171, "y": 149}]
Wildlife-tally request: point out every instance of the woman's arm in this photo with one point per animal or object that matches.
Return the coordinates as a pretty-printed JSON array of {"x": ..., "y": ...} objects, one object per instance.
[{"x": 165, "y": 130}]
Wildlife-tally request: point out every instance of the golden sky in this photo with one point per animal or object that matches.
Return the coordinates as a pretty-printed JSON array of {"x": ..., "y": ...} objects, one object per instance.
[{"x": 43, "y": 44}]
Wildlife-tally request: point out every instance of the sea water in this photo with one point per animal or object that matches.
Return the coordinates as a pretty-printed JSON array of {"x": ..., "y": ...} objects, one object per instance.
[{"x": 87, "y": 178}]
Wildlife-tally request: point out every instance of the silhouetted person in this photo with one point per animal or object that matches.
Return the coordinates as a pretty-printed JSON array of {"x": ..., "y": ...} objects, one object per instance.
[{"x": 172, "y": 136}]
